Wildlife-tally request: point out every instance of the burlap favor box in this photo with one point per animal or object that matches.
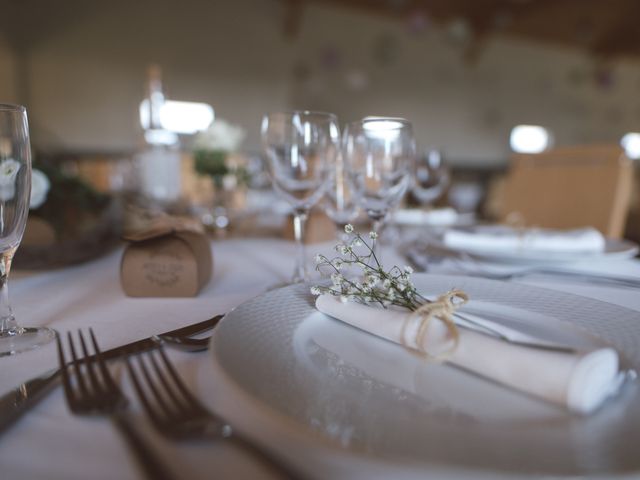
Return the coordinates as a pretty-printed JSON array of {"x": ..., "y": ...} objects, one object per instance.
[{"x": 166, "y": 261}]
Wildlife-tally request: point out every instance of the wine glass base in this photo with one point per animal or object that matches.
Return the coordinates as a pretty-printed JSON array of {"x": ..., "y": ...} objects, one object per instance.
[{"x": 23, "y": 339}]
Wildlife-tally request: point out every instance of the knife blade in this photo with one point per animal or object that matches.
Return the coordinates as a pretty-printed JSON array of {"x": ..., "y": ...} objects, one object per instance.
[{"x": 22, "y": 398}]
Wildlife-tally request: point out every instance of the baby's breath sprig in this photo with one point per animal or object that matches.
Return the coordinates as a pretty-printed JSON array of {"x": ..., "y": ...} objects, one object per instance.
[{"x": 373, "y": 284}]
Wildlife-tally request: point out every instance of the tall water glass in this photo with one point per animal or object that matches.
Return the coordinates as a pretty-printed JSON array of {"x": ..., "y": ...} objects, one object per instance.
[
  {"x": 300, "y": 146},
  {"x": 15, "y": 193},
  {"x": 379, "y": 153}
]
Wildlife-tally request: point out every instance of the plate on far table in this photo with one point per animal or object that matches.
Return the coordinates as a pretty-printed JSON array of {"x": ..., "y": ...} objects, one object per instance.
[
  {"x": 435, "y": 218},
  {"x": 614, "y": 250},
  {"x": 332, "y": 382}
]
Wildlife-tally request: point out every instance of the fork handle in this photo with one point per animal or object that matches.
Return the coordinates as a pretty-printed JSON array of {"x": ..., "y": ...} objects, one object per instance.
[{"x": 147, "y": 458}]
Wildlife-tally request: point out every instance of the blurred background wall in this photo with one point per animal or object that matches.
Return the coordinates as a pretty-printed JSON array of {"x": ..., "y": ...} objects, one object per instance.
[{"x": 80, "y": 69}]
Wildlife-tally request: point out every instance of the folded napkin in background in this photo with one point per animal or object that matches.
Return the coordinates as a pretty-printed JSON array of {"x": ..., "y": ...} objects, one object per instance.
[
  {"x": 580, "y": 382},
  {"x": 501, "y": 238}
]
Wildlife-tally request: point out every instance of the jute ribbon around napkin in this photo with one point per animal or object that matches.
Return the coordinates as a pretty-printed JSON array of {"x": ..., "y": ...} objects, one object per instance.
[{"x": 442, "y": 309}]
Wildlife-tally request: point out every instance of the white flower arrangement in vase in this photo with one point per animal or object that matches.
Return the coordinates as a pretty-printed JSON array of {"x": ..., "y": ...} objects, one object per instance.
[{"x": 211, "y": 151}]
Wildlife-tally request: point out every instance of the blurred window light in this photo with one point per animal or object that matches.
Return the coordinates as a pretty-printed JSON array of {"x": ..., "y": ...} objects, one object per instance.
[
  {"x": 376, "y": 124},
  {"x": 529, "y": 139},
  {"x": 382, "y": 128},
  {"x": 631, "y": 144},
  {"x": 180, "y": 117}
]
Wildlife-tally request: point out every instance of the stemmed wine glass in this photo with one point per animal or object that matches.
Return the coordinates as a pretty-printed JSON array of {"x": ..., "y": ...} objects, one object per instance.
[
  {"x": 431, "y": 177},
  {"x": 299, "y": 146},
  {"x": 379, "y": 153},
  {"x": 339, "y": 199},
  {"x": 15, "y": 193}
]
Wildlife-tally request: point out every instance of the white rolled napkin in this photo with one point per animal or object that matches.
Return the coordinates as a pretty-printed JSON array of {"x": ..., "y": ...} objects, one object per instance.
[
  {"x": 578, "y": 381},
  {"x": 500, "y": 238}
]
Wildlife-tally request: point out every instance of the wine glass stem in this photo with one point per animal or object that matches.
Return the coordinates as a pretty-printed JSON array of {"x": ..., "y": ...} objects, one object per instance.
[
  {"x": 7, "y": 321},
  {"x": 299, "y": 221}
]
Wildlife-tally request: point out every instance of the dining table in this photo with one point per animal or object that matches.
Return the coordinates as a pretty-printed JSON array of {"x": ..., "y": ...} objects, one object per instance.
[{"x": 49, "y": 442}]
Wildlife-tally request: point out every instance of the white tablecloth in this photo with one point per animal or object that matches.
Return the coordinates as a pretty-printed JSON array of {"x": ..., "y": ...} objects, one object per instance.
[{"x": 51, "y": 443}]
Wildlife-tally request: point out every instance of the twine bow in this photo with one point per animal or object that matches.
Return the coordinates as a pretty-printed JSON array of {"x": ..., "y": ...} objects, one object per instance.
[{"x": 442, "y": 309}]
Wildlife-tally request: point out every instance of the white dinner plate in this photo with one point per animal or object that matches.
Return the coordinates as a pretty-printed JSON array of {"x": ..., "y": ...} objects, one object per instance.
[
  {"x": 372, "y": 397},
  {"x": 614, "y": 250},
  {"x": 435, "y": 218}
]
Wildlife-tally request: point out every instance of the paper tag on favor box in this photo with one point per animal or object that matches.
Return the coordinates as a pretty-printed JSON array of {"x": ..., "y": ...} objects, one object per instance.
[{"x": 168, "y": 259}]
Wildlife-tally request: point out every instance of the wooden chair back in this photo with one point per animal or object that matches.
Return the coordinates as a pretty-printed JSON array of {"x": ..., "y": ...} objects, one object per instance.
[{"x": 571, "y": 187}]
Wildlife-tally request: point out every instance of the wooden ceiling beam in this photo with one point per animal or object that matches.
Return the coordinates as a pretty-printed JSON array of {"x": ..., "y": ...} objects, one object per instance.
[{"x": 613, "y": 23}]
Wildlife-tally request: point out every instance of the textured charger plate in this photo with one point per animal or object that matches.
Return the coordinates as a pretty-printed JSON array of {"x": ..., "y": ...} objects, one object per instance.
[{"x": 369, "y": 396}]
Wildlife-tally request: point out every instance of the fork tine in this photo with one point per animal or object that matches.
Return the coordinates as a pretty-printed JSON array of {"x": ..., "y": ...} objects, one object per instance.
[
  {"x": 76, "y": 367},
  {"x": 180, "y": 384},
  {"x": 106, "y": 376},
  {"x": 144, "y": 399},
  {"x": 89, "y": 366},
  {"x": 166, "y": 384},
  {"x": 154, "y": 389},
  {"x": 64, "y": 370}
]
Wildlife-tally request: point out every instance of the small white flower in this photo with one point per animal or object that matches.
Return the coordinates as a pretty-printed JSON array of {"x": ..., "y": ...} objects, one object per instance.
[
  {"x": 315, "y": 290},
  {"x": 337, "y": 279},
  {"x": 344, "y": 299},
  {"x": 356, "y": 243},
  {"x": 348, "y": 228},
  {"x": 401, "y": 287},
  {"x": 367, "y": 299},
  {"x": 373, "y": 235},
  {"x": 9, "y": 169},
  {"x": 366, "y": 288},
  {"x": 408, "y": 269},
  {"x": 338, "y": 264},
  {"x": 344, "y": 249},
  {"x": 391, "y": 294},
  {"x": 318, "y": 258},
  {"x": 386, "y": 283}
]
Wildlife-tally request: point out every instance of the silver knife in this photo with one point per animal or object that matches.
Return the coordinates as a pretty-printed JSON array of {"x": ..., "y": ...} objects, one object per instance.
[
  {"x": 22, "y": 398},
  {"x": 487, "y": 326}
]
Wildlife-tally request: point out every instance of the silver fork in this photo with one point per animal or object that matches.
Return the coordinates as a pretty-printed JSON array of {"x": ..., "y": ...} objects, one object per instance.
[
  {"x": 96, "y": 393},
  {"x": 177, "y": 414}
]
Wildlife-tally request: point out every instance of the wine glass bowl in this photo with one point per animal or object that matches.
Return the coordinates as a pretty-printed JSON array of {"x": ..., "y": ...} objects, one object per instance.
[
  {"x": 431, "y": 177},
  {"x": 15, "y": 193},
  {"x": 299, "y": 147},
  {"x": 379, "y": 152}
]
